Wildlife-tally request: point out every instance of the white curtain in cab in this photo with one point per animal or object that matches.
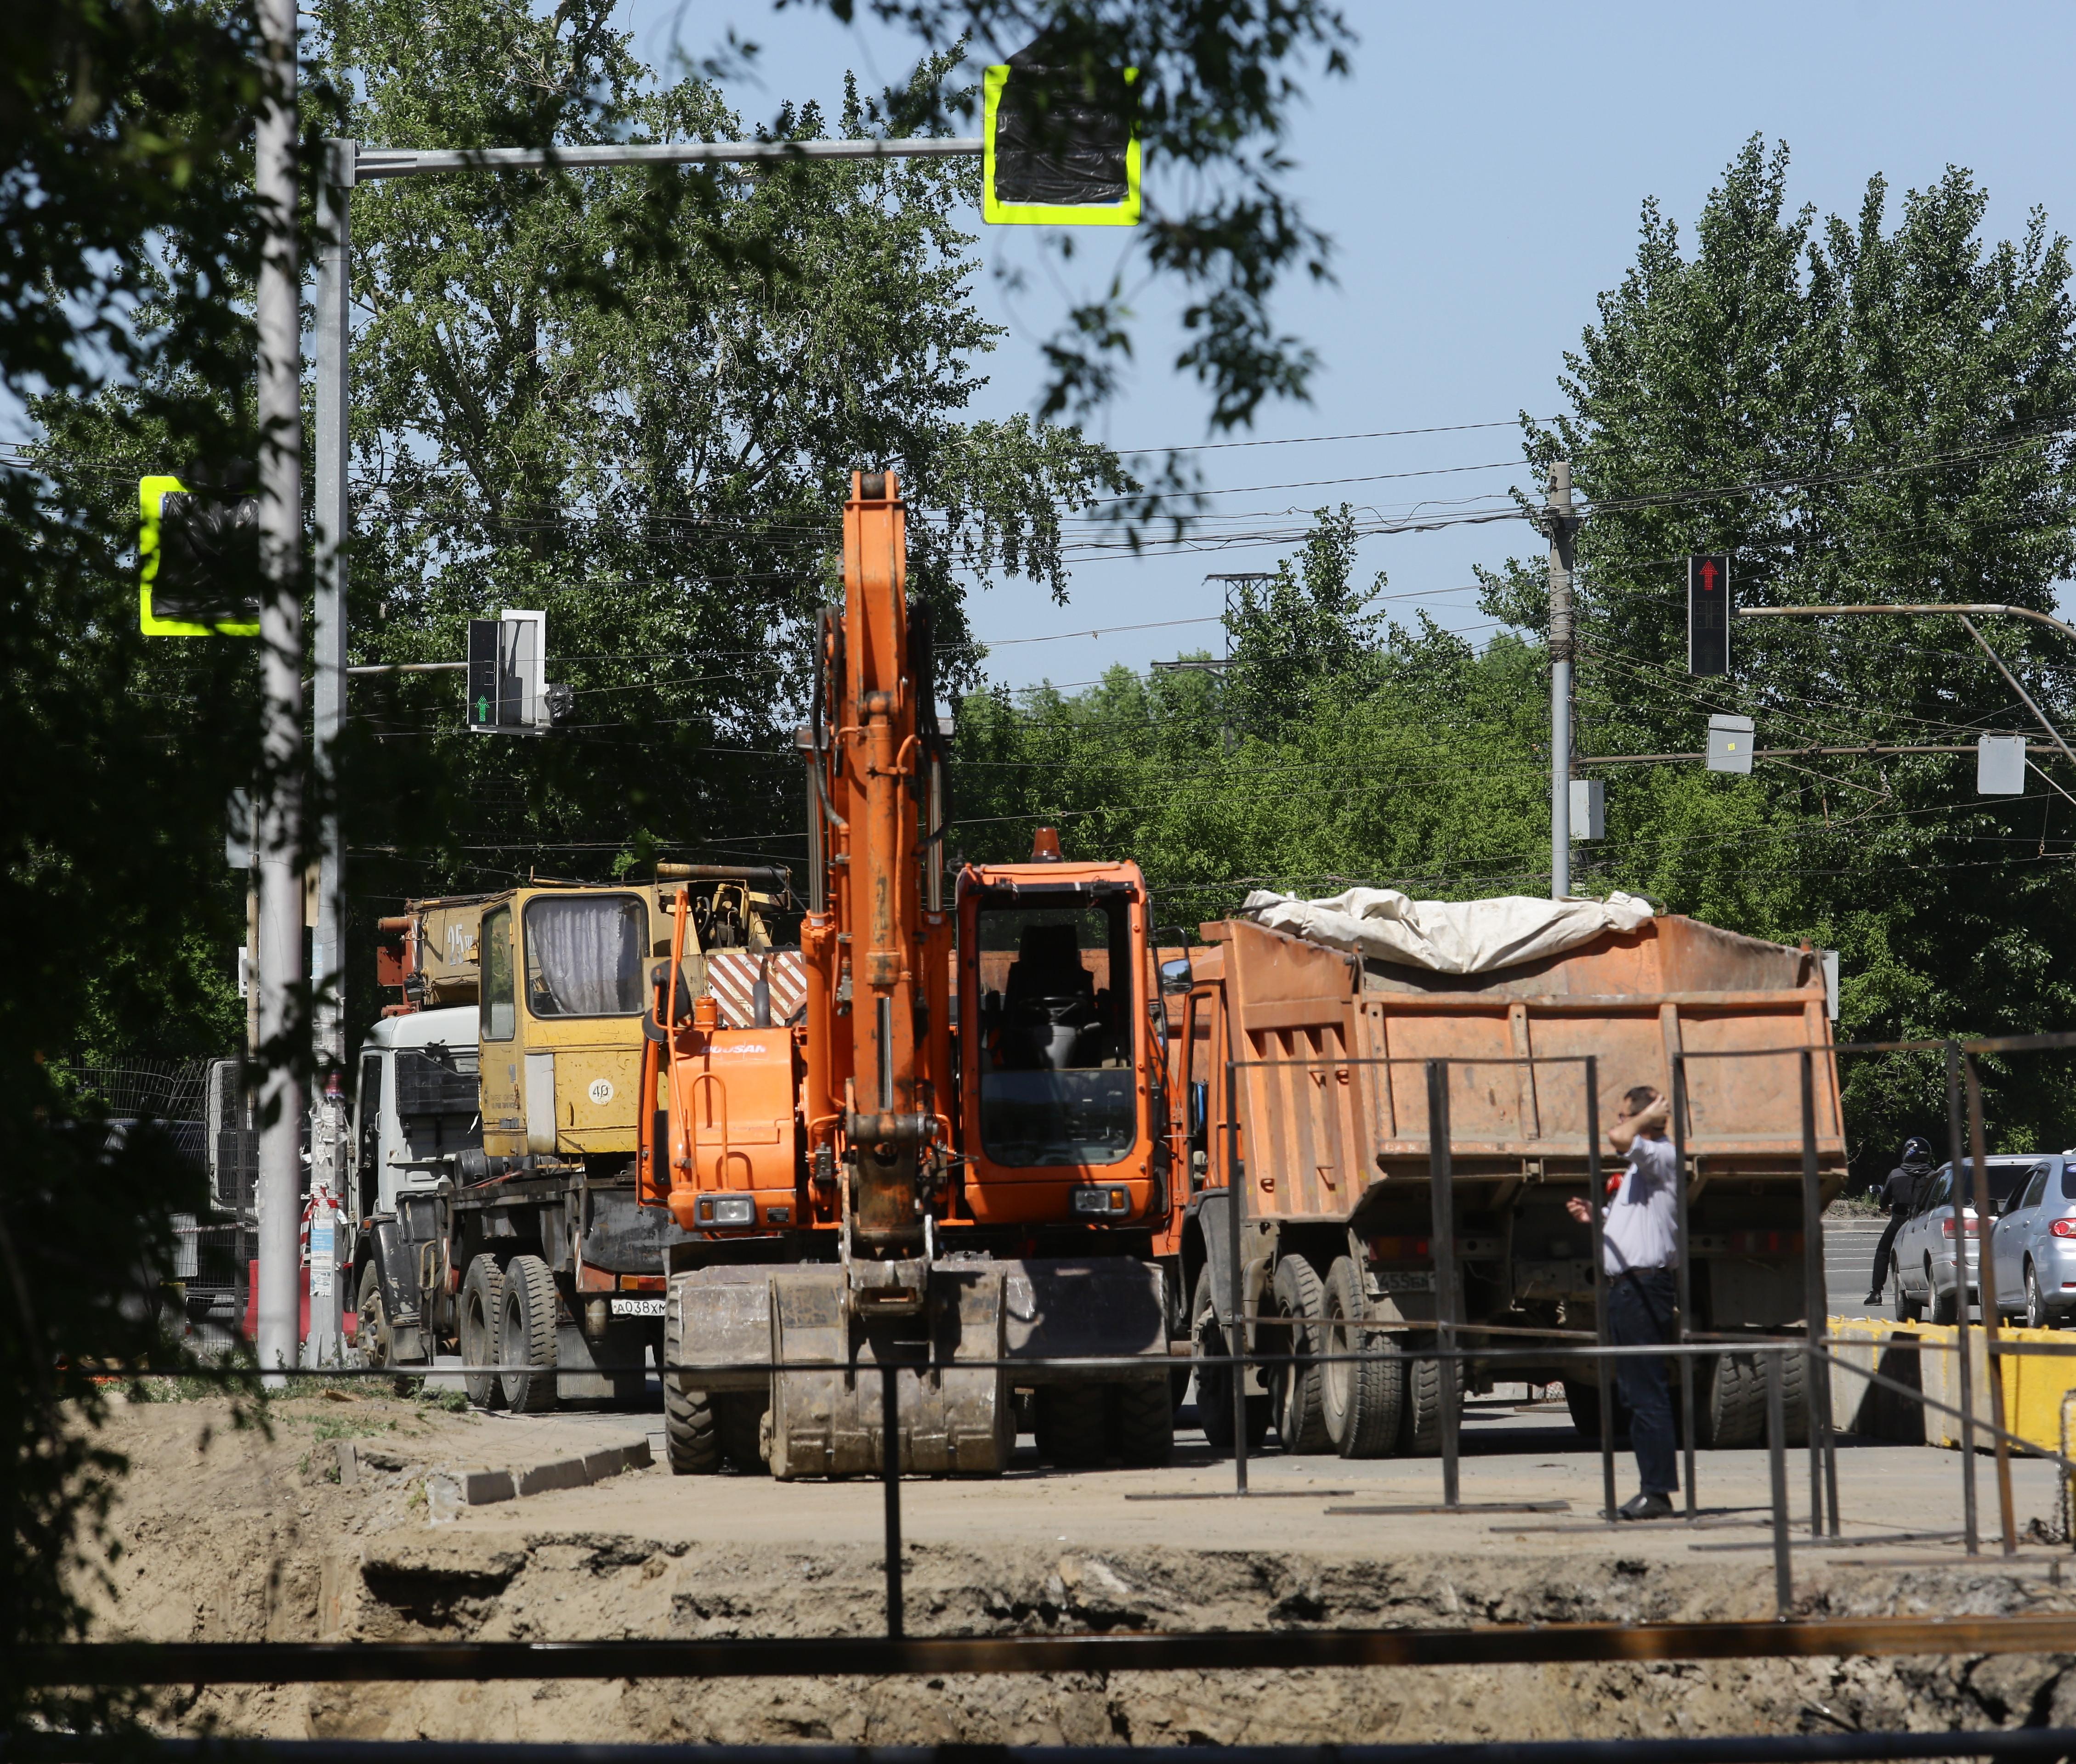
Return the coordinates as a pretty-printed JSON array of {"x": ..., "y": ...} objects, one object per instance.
[
  {"x": 1446, "y": 936},
  {"x": 583, "y": 958}
]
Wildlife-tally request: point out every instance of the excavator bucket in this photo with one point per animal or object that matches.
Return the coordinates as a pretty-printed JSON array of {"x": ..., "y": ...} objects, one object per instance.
[{"x": 814, "y": 1337}]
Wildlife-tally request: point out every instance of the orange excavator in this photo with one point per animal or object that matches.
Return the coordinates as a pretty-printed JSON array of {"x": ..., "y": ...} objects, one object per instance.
[{"x": 955, "y": 1162}]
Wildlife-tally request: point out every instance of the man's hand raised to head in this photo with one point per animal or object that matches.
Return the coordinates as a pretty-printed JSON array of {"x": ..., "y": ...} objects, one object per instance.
[{"x": 1649, "y": 1121}]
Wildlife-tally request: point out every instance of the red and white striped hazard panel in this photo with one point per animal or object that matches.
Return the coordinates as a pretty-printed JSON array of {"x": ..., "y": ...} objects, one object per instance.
[{"x": 731, "y": 973}]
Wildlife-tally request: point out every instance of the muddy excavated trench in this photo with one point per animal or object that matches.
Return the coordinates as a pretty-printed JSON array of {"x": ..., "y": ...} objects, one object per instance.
[{"x": 231, "y": 1534}]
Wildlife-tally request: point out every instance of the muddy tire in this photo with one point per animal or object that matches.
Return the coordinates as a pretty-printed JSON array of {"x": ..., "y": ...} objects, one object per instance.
[
  {"x": 1298, "y": 1300},
  {"x": 1358, "y": 1401},
  {"x": 1420, "y": 1412},
  {"x": 526, "y": 1335},
  {"x": 371, "y": 1334},
  {"x": 482, "y": 1300},
  {"x": 691, "y": 1430},
  {"x": 1071, "y": 1431},
  {"x": 1215, "y": 1383},
  {"x": 1143, "y": 1424}
]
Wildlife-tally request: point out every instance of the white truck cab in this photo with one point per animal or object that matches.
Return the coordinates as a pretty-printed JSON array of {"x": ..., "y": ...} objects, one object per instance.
[{"x": 415, "y": 1106}]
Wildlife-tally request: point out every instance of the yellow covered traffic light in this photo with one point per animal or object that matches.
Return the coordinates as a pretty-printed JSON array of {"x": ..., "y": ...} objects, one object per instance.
[
  {"x": 199, "y": 557},
  {"x": 1060, "y": 146}
]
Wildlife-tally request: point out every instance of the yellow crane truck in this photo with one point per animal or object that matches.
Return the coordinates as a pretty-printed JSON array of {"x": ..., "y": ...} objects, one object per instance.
[{"x": 520, "y": 1235}]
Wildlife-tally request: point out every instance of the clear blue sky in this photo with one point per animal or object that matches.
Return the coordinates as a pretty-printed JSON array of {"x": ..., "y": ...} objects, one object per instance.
[{"x": 1481, "y": 173}]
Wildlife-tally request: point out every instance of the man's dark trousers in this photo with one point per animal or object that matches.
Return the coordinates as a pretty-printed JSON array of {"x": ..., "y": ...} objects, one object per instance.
[
  {"x": 1641, "y": 1306},
  {"x": 1880, "y": 1276}
]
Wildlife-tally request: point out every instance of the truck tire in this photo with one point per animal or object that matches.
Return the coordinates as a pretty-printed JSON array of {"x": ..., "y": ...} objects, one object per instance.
[
  {"x": 377, "y": 1345},
  {"x": 691, "y": 1431},
  {"x": 482, "y": 1304},
  {"x": 1143, "y": 1415},
  {"x": 1215, "y": 1383},
  {"x": 1359, "y": 1400},
  {"x": 740, "y": 1418},
  {"x": 1730, "y": 1407},
  {"x": 1299, "y": 1301},
  {"x": 526, "y": 1335},
  {"x": 1420, "y": 1411},
  {"x": 1070, "y": 1429}
]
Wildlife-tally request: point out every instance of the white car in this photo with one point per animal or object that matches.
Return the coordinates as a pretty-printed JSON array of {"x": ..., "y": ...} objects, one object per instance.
[{"x": 1921, "y": 1268}]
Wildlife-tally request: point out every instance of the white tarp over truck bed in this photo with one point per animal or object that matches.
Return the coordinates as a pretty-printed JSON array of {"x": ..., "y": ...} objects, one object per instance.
[{"x": 1446, "y": 936}]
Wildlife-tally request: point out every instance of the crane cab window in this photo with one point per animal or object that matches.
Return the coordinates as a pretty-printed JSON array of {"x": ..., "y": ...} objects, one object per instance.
[
  {"x": 584, "y": 954},
  {"x": 495, "y": 1019},
  {"x": 1056, "y": 1081}
]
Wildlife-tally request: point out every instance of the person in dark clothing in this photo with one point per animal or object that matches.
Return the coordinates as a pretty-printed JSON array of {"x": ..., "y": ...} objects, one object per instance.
[
  {"x": 1641, "y": 1254},
  {"x": 1899, "y": 1194}
]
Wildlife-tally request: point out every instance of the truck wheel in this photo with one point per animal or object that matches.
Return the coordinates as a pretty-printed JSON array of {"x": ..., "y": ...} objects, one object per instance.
[
  {"x": 1215, "y": 1383},
  {"x": 1731, "y": 1408},
  {"x": 740, "y": 1415},
  {"x": 526, "y": 1335},
  {"x": 1300, "y": 1308},
  {"x": 1145, "y": 1425},
  {"x": 1420, "y": 1412},
  {"x": 482, "y": 1303},
  {"x": 1359, "y": 1400},
  {"x": 692, "y": 1433},
  {"x": 1071, "y": 1433},
  {"x": 378, "y": 1347}
]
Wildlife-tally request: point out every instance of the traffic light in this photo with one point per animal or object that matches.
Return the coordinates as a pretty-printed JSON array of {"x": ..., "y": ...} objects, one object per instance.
[
  {"x": 1059, "y": 146},
  {"x": 198, "y": 552},
  {"x": 506, "y": 694},
  {"x": 1708, "y": 614}
]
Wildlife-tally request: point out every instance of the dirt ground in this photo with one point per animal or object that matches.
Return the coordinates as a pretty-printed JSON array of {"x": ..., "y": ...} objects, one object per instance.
[{"x": 241, "y": 1533}]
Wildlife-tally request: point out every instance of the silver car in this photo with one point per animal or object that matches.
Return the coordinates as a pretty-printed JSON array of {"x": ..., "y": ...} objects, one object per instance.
[
  {"x": 2032, "y": 1245},
  {"x": 1921, "y": 1268}
]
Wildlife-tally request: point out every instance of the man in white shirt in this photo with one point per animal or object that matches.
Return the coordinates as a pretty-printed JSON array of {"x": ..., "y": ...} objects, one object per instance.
[{"x": 1641, "y": 1252}]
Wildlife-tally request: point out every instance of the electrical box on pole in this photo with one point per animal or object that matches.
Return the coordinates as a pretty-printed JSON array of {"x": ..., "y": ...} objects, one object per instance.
[
  {"x": 1730, "y": 744},
  {"x": 506, "y": 693},
  {"x": 2000, "y": 765},
  {"x": 198, "y": 556},
  {"x": 1589, "y": 808},
  {"x": 1708, "y": 616},
  {"x": 1059, "y": 146}
]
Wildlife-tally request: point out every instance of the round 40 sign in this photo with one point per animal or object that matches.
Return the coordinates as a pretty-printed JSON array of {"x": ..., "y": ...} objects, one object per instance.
[{"x": 601, "y": 1091}]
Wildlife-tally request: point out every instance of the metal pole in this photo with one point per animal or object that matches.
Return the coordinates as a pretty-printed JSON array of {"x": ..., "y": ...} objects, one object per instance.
[
  {"x": 1686, "y": 1267},
  {"x": 1442, "y": 1215},
  {"x": 280, "y": 1124},
  {"x": 1562, "y": 526},
  {"x": 1816, "y": 1377},
  {"x": 328, "y": 660},
  {"x": 1595, "y": 1197},
  {"x": 1986, "y": 1277},
  {"x": 1957, "y": 1164},
  {"x": 1237, "y": 1324},
  {"x": 890, "y": 1473},
  {"x": 1776, "y": 1455}
]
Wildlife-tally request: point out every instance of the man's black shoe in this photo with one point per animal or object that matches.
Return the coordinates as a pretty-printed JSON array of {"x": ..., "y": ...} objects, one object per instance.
[
  {"x": 1646, "y": 1506},
  {"x": 1874, "y": 1297}
]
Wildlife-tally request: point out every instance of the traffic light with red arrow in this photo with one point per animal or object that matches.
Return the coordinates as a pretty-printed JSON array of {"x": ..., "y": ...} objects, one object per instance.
[{"x": 1708, "y": 615}]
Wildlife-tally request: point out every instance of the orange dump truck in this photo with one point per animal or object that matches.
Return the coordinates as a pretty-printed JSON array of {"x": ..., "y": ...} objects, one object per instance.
[{"x": 1332, "y": 1150}]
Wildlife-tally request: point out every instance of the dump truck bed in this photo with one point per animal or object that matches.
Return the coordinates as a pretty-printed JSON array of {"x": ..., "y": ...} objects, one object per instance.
[{"x": 1332, "y": 1085}]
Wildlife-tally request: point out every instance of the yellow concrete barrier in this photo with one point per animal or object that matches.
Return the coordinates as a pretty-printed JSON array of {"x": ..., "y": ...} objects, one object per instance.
[{"x": 2034, "y": 1385}]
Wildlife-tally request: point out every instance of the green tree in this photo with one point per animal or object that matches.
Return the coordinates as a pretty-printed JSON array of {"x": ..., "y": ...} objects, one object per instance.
[{"x": 1877, "y": 409}]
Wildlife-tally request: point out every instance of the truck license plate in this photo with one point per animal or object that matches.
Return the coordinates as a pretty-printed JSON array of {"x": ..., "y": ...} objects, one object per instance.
[
  {"x": 636, "y": 1307},
  {"x": 1415, "y": 1280}
]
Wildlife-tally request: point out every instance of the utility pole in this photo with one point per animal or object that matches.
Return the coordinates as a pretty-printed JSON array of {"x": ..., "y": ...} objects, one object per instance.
[
  {"x": 279, "y": 1197},
  {"x": 1562, "y": 524},
  {"x": 328, "y": 1200}
]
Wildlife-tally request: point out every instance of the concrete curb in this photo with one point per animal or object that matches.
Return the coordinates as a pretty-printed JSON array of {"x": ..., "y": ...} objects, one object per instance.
[{"x": 480, "y": 1485}]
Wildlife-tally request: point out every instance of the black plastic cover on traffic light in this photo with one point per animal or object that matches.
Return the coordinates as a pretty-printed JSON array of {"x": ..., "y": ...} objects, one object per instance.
[
  {"x": 1060, "y": 148},
  {"x": 1708, "y": 607},
  {"x": 198, "y": 552}
]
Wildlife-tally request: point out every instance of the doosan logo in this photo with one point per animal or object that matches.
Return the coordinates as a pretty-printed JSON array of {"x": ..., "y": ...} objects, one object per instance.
[{"x": 742, "y": 1046}]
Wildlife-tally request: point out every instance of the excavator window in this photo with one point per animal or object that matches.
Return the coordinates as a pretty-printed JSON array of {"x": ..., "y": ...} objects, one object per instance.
[
  {"x": 584, "y": 954},
  {"x": 1056, "y": 1081}
]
